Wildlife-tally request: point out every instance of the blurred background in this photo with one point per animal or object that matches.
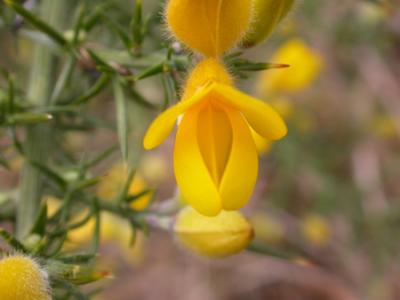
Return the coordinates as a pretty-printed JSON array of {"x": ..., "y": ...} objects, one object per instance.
[{"x": 326, "y": 209}]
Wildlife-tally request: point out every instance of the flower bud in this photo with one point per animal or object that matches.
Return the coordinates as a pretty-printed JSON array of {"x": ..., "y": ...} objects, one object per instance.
[
  {"x": 226, "y": 234},
  {"x": 21, "y": 278},
  {"x": 208, "y": 26},
  {"x": 267, "y": 15}
]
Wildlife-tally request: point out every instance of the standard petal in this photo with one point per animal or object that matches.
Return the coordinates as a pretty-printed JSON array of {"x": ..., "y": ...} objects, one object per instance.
[
  {"x": 211, "y": 27},
  {"x": 165, "y": 122},
  {"x": 261, "y": 116},
  {"x": 241, "y": 170},
  {"x": 192, "y": 175}
]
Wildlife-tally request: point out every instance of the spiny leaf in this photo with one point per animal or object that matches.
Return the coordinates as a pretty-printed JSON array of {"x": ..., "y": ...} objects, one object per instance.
[
  {"x": 51, "y": 174},
  {"x": 37, "y": 22},
  {"x": 99, "y": 158},
  {"x": 39, "y": 226},
  {"x": 76, "y": 258},
  {"x": 28, "y": 118},
  {"x": 99, "y": 86},
  {"x": 12, "y": 241},
  {"x": 122, "y": 118}
]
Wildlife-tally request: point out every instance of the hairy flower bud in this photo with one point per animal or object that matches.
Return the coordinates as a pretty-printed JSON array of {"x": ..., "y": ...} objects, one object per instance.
[
  {"x": 210, "y": 27},
  {"x": 21, "y": 278},
  {"x": 267, "y": 15},
  {"x": 226, "y": 234}
]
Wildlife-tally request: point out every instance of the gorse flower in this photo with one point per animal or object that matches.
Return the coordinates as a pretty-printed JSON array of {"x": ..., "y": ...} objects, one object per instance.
[
  {"x": 215, "y": 157},
  {"x": 266, "y": 16},
  {"x": 21, "y": 278},
  {"x": 220, "y": 236},
  {"x": 210, "y": 27},
  {"x": 113, "y": 183},
  {"x": 305, "y": 65}
]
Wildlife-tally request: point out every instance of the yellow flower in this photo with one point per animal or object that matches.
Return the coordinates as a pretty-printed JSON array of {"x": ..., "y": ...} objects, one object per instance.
[
  {"x": 267, "y": 15},
  {"x": 226, "y": 234},
  {"x": 316, "y": 230},
  {"x": 305, "y": 65},
  {"x": 215, "y": 157},
  {"x": 154, "y": 168},
  {"x": 210, "y": 27},
  {"x": 114, "y": 230},
  {"x": 21, "y": 278},
  {"x": 112, "y": 184}
]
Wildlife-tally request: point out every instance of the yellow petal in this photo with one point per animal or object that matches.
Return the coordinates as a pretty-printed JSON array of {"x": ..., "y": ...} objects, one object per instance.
[
  {"x": 211, "y": 27},
  {"x": 165, "y": 122},
  {"x": 240, "y": 174},
  {"x": 262, "y": 144},
  {"x": 215, "y": 139},
  {"x": 261, "y": 116},
  {"x": 193, "y": 178}
]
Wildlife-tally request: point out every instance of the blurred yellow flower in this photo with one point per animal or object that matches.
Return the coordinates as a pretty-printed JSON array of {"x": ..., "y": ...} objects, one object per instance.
[
  {"x": 21, "y": 278},
  {"x": 153, "y": 168},
  {"x": 223, "y": 235},
  {"x": 112, "y": 184},
  {"x": 384, "y": 126},
  {"x": 112, "y": 230},
  {"x": 315, "y": 230},
  {"x": 53, "y": 204},
  {"x": 210, "y": 27},
  {"x": 305, "y": 65},
  {"x": 214, "y": 142},
  {"x": 267, "y": 14},
  {"x": 267, "y": 228}
]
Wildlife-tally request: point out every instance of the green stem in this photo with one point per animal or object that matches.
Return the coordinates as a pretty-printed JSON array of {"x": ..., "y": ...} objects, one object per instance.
[{"x": 36, "y": 145}]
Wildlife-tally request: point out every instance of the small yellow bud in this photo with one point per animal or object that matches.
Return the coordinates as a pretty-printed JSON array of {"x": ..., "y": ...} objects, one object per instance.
[
  {"x": 21, "y": 278},
  {"x": 226, "y": 234},
  {"x": 210, "y": 27},
  {"x": 267, "y": 15}
]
